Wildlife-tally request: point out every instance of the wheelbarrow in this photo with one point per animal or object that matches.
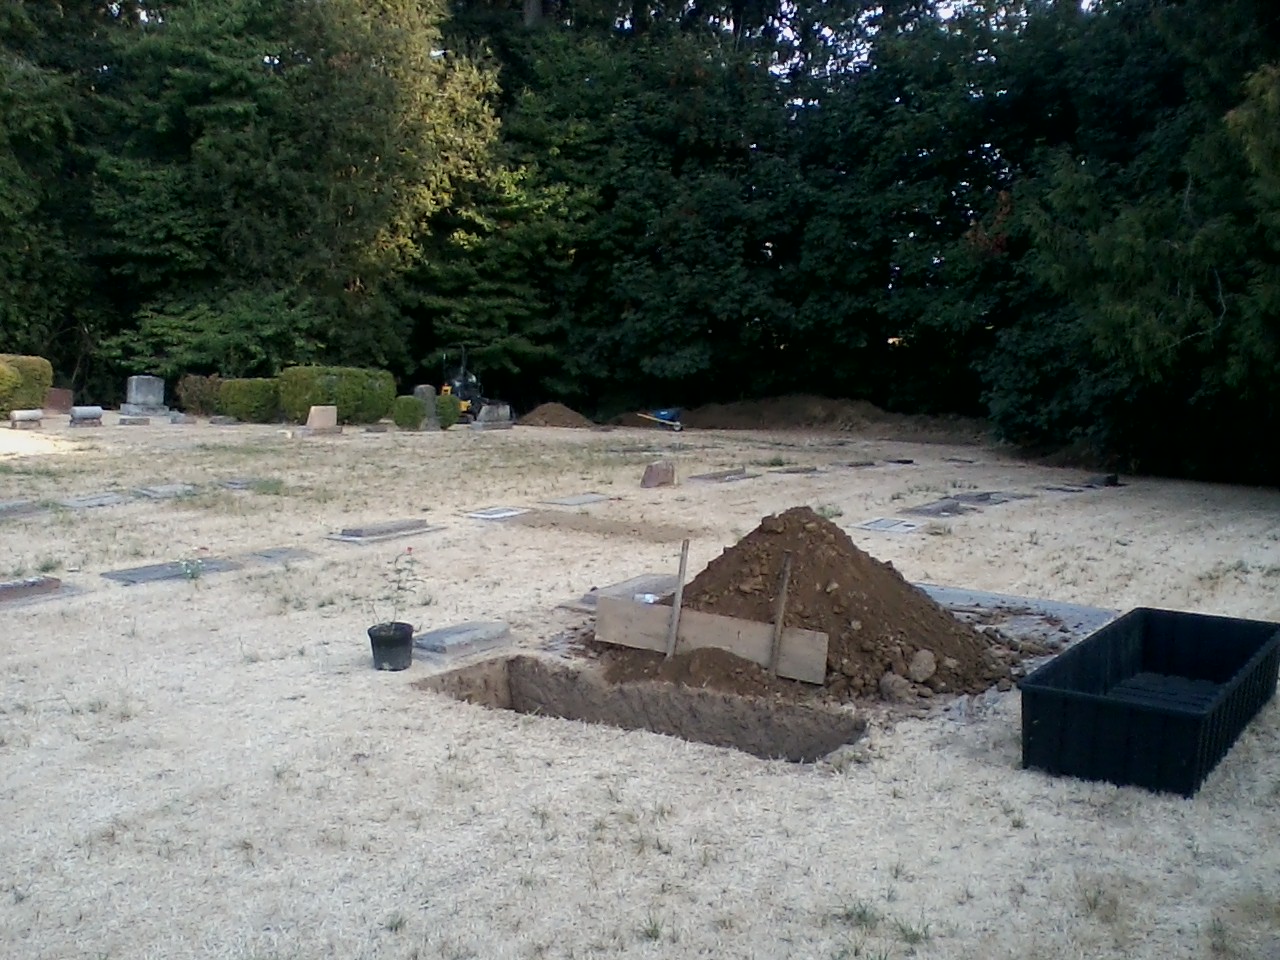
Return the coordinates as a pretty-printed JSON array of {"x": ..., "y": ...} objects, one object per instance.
[{"x": 669, "y": 418}]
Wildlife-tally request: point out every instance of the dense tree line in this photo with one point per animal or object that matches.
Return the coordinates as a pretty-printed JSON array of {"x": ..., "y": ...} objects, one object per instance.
[{"x": 1065, "y": 217}]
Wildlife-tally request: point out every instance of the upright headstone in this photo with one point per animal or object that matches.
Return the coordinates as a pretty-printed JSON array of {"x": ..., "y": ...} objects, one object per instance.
[
  {"x": 322, "y": 420},
  {"x": 494, "y": 416},
  {"x": 427, "y": 394},
  {"x": 144, "y": 397},
  {"x": 58, "y": 400},
  {"x": 660, "y": 473},
  {"x": 86, "y": 416}
]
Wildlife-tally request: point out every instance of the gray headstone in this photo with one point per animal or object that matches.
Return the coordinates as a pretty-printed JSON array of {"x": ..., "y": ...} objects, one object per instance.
[
  {"x": 182, "y": 418},
  {"x": 25, "y": 419},
  {"x": 427, "y": 394},
  {"x": 223, "y": 421},
  {"x": 144, "y": 397},
  {"x": 89, "y": 416},
  {"x": 134, "y": 421}
]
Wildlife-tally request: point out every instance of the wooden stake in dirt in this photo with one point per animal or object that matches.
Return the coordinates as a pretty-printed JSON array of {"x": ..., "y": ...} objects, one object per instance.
[
  {"x": 779, "y": 612},
  {"x": 674, "y": 630}
]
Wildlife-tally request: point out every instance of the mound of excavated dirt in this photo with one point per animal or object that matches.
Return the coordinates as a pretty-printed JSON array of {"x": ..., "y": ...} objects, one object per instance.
[
  {"x": 819, "y": 413},
  {"x": 886, "y": 638},
  {"x": 554, "y": 415}
]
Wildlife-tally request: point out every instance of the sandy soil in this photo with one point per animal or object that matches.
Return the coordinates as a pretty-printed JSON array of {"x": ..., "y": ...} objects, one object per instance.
[{"x": 210, "y": 767}]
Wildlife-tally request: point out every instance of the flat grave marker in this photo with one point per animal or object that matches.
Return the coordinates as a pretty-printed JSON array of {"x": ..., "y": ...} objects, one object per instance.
[
  {"x": 28, "y": 587},
  {"x": 497, "y": 513},
  {"x": 725, "y": 476},
  {"x": 18, "y": 508},
  {"x": 946, "y": 507},
  {"x": 167, "y": 491},
  {"x": 889, "y": 525},
  {"x": 578, "y": 500},
  {"x": 108, "y": 499},
  {"x": 377, "y": 532},
  {"x": 464, "y": 639},
  {"x": 174, "y": 570},
  {"x": 645, "y": 585},
  {"x": 278, "y": 555}
]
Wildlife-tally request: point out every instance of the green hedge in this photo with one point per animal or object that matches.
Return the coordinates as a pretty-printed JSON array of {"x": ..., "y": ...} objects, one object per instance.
[
  {"x": 10, "y": 381},
  {"x": 409, "y": 412},
  {"x": 253, "y": 400},
  {"x": 361, "y": 396},
  {"x": 448, "y": 410},
  {"x": 35, "y": 377}
]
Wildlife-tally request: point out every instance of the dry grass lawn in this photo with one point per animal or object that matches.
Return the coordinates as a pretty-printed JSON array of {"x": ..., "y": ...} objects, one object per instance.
[{"x": 210, "y": 767}]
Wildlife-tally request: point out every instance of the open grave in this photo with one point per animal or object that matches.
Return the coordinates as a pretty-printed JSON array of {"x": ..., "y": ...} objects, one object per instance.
[{"x": 800, "y": 733}]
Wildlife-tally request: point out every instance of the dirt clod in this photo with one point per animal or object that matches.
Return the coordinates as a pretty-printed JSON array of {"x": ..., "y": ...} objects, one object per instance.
[{"x": 554, "y": 415}]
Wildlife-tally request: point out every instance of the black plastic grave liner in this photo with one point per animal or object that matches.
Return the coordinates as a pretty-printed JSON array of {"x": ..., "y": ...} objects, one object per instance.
[{"x": 1154, "y": 699}]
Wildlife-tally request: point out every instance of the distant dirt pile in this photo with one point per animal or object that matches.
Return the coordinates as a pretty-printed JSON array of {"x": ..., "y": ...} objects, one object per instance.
[
  {"x": 804, "y": 412},
  {"x": 554, "y": 415},
  {"x": 887, "y": 639}
]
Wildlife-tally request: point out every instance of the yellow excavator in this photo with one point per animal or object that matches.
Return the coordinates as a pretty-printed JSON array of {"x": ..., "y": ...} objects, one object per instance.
[{"x": 465, "y": 385}]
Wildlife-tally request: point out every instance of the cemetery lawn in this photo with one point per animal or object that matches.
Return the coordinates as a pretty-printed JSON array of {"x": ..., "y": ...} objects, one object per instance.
[{"x": 209, "y": 767}]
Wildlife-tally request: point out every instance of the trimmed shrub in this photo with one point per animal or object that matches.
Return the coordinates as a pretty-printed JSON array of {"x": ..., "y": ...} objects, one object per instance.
[
  {"x": 409, "y": 412},
  {"x": 36, "y": 377},
  {"x": 199, "y": 394},
  {"x": 10, "y": 381},
  {"x": 361, "y": 396},
  {"x": 448, "y": 410},
  {"x": 253, "y": 400}
]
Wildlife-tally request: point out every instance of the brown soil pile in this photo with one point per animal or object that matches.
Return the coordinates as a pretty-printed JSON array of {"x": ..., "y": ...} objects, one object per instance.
[
  {"x": 710, "y": 668},
  {"x": 886, "y": 638},
  {"x": 554, "y": 415},
  {"x": 820, "y": 413}
]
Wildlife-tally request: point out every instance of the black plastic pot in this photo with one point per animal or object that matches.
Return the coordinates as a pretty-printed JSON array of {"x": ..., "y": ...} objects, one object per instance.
[{"x": 392, "y": 645}]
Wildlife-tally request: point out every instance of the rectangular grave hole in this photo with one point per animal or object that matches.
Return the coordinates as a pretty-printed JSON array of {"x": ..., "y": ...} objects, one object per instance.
[{"x": 799, "y": 733}]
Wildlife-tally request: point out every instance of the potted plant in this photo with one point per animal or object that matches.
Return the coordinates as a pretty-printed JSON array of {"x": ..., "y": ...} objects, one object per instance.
[{"x": 392, "y": 639}]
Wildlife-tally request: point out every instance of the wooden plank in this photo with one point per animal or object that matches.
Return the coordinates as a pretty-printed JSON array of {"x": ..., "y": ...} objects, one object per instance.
[
  {"x": 802, "y": 654},
  {"x": 678, "y": 602},
  {"x": 779, "y": 614}
]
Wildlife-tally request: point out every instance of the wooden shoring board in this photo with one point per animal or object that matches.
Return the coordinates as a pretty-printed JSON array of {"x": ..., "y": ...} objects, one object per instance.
[{"x": 802, "y": 655}]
